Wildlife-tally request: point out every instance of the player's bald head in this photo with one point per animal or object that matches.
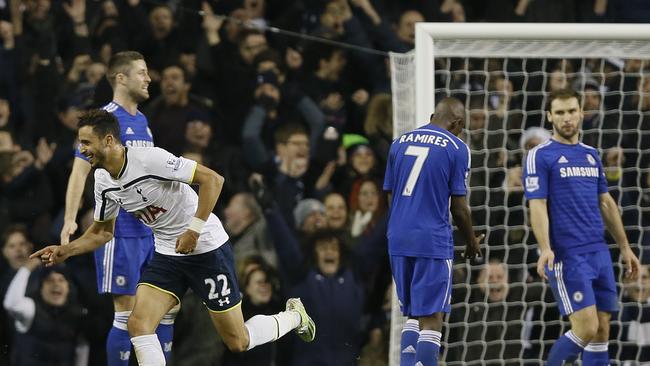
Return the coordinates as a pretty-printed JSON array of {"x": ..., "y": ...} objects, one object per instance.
[{"x": 450, "y": 115}]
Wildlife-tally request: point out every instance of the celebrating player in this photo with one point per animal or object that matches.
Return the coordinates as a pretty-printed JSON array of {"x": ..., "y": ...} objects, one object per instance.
[
  {"x": 192, "y": 248},
  {"x": 567, "y": 192},
  {"x": 427, "y": 168},
  {"x": 120, "y": 262}
]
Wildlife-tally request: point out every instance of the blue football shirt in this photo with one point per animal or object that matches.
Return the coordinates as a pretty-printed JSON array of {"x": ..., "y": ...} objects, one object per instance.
[
  {"x": 571, "y": 179},
  {"x": 134, "y": 131},
  {"x": 425, "y": 168}
]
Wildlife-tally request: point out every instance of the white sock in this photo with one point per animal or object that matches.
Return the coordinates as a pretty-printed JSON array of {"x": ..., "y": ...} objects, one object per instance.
[
  {"x": 148, "y": 350},
  {"x": 267, "y": 328}
]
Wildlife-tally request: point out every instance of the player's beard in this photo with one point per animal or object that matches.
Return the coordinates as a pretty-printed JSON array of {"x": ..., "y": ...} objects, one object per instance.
[
  {"x": 566, "y": 134},
  {"x": 138, "y": 96},
  {"x": 98, "y": 160}
]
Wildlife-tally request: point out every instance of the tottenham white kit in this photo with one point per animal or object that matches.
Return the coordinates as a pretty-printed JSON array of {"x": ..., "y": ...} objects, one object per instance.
[{"x": 153, "y": 185}]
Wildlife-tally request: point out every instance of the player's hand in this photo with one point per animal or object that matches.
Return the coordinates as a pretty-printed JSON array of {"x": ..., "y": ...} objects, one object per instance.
[
  {"x": 473, "y": 250},
  {"x": 186, "y": 243},
  {"x": 632, "y": 264},
  {"x": 69, "y": 228},
  {"x": 54, "y": 254},
  {"x": 546, "y": 258}
]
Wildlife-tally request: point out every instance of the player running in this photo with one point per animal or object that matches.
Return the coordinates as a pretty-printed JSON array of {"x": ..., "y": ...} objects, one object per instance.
[
  {"x": 192, "y": 248},
  {"x": 120, "y": 262}
]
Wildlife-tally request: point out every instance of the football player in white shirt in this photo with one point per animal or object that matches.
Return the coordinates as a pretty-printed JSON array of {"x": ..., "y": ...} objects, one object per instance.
[{"x": 192, "y": 249}]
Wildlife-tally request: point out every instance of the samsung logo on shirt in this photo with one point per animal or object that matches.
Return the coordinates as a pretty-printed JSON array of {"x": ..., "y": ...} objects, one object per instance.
[
  {"x": 424, "y": 139},
  {"x": 139, "y": 143},
  {"x": 581, "y": 171}
]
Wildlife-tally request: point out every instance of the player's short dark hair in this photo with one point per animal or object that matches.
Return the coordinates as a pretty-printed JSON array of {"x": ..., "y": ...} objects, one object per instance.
[
  {"x": 102, "y": 122},
  {"x": 563, "y": 94},
  {"x": 285, "y": 131},
  {"x": 12, "y": 229},
  {"x": 121, "y": 63}
]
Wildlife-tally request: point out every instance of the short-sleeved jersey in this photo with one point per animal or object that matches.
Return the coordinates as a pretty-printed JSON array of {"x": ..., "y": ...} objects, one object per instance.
[
  {"x": 134, "y": 131},
  {"x": 153, "y": 186},
  {"x": 425, "y": 168},
  {"x": 571, "y": 179}
]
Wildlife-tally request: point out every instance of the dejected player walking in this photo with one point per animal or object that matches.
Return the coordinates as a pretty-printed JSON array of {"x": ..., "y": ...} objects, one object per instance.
[
  {"x": 566, "y": 189},
  {"x": 426, "y": 175}
]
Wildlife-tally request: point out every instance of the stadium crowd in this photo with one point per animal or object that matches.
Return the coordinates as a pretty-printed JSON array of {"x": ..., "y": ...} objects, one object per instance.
[{"x": 300, "y": 131}]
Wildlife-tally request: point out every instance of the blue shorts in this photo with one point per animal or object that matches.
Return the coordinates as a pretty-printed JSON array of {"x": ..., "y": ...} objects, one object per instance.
[
  {"x": 582, "y": 280},
  {"x": 120, "y": 262},
  {"x": 423, "y": 284},
  {"x": 210, "y": 275}
]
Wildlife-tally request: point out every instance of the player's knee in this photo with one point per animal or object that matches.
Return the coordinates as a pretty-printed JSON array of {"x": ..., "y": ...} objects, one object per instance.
[
  {"x": 138, "y": 326},
  {"x": 602, "y": 335},
  {"x": 587, "y": 331}
]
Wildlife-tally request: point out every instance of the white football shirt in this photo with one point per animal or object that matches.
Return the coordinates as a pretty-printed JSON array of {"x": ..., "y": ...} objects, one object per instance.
[{"x": 153, "y": 185}]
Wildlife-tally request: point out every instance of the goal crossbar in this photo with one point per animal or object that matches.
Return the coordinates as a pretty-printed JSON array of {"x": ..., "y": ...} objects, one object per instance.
[{"x": 530, "y": 40}]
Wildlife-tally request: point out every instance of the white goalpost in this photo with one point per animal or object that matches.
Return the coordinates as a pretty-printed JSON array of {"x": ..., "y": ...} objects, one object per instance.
[{"x": 503, "y": 73}]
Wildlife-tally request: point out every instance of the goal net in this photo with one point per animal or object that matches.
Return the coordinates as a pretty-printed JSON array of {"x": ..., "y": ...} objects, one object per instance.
[{"x": 502, "y": 312}]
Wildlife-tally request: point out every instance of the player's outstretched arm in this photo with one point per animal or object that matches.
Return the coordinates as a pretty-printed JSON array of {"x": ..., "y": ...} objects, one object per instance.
[
  {"x": 463, "y": 219},
  {"x": 210, "y": 185},
  {"x": 539, "y": 223},
  {"x": 97, "y": 235},
  {"x": 612, "y": 218},
  {"x": 76, "y": 183}
]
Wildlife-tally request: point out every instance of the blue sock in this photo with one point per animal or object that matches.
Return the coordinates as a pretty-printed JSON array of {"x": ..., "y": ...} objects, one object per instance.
[
  {"x": 596, "y": 354},
  {"x": 165, "y": 331},
  {"x": 118, "y": 343},
  {"x": 428, "y": 348},
  {"x": 410, "y": 334},
  {"x": 566, "y": 348}
]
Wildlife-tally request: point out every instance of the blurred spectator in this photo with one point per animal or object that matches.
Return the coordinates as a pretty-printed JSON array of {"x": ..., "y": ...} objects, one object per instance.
[
  {"x": 16, "y": 248},
  {"x": 309, "y": 215},
  {"x": 533, "y": 137},
  {"x": 592, "y": 109},
  {"x": 635, "y": 126},
  {"x": 159, "y": 40},
  {"x": 289, "y": 171},
  {"x": 246, "y": 227},
  {"x": 48, "y": 326},
  {"x": 361, "y": 164},
  {"x": 169, "y": 112},
  {"x": 635, "y": 319},
  {"x": 335, "y": 300},
  {"x": 231, "y": 73},
  {"x": 27, "y": 189},
  {"x": 200, "y": 145},
  {"x": 336, "y": 211},
  {"x": 368, "y": 209},
  {"x": 325, "y": 85},
  {"x": 490, "y": 304},
  {"x": 378, "y": 126}
]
